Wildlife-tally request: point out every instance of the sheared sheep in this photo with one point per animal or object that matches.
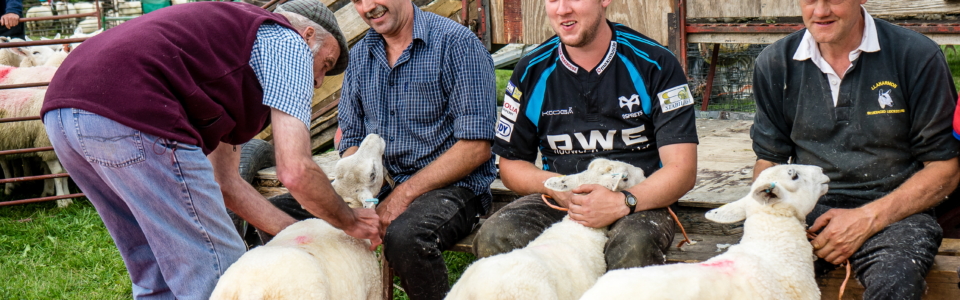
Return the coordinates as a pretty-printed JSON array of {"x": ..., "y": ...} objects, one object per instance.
[
  {"x": 308, "y": 260},
  {"x": 563, "y": 262},
  {"x": 29, "y": 134},
  {"x": 311, "y": 259},
  {"x": 774, "y": 260}
]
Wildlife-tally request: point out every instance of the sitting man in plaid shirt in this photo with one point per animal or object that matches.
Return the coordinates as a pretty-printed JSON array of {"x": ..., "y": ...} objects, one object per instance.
[{"x": 426, "y": 85}]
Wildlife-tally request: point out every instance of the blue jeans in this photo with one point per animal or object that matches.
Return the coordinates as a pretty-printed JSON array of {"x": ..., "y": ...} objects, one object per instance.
[{"x": 158, "y": 198}]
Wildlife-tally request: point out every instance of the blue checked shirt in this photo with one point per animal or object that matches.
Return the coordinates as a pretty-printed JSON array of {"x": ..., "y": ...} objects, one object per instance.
[
  {"x": 284, "y": 67},
  {"x": 440, "y": 90}
]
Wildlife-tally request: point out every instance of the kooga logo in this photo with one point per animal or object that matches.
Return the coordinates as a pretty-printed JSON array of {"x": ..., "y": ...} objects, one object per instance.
[{"x": 568, "y": 111}]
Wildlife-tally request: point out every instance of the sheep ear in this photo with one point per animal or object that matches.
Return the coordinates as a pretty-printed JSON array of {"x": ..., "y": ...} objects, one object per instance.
[
  {"x": 768, "y": 193},
  {"x": 731, "y": 212},
  {"x": 18, "y": 50}
]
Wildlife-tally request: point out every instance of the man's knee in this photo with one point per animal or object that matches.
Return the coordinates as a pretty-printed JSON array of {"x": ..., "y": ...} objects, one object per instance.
[
  {"x": 893, "y": 263},
  {"x": 406, "y": 239},
  {"x": 639, "y": 240},
  {"x": 500, "y": 236},
  {"x": 514, "y": 226}
]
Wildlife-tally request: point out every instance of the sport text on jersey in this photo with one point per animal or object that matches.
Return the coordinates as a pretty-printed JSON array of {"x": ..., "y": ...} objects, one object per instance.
[{"x": 589, "y": 141}]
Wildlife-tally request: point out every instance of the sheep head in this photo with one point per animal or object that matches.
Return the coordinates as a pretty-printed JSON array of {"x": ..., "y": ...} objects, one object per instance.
[
  {"x": 361, "y": 175},
  {"x": 33, "y": 56},
  {"x": 794, "y": 187},
  {"x": 614, "y": 175}
]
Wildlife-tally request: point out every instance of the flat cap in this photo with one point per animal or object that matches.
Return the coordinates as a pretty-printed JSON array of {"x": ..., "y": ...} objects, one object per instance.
[{"x": 317, "y": 12}]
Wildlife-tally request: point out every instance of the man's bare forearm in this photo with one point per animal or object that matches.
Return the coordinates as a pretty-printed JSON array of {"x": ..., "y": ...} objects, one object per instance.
[
  {"x": 524, "y": 177},
  {"x": 922, "y": 191},
  {"x": 760, "y": 166},
  {"x": 672, "y": 181},
  {"x": 454, "y": 164},
  {"x": 241, "y": 198}
]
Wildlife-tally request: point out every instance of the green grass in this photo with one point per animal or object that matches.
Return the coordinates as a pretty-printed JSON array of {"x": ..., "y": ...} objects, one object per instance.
[
  {"x": 51, "y": 253},
  {"x": 952, "y": 53},
  {"x": 503, "y": 76}
]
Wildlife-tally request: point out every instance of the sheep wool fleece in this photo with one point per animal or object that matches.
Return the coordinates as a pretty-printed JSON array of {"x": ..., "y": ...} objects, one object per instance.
[{"x": 185, "y": 74}]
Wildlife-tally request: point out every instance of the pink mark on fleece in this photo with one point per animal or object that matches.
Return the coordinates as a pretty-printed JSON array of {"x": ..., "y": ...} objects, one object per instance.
[
  {"x": 4, "y": 71},
  {"x": 725, "y": 266},
  {"x": 302, "y": 240},
  {"x": 13, "y": 102}
]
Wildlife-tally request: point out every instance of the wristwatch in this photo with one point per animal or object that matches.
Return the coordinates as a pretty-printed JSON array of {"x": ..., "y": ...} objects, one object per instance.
[{"x": 630, "y": 200}]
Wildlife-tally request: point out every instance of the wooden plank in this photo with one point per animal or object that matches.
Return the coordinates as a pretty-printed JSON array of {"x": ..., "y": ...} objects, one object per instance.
[
  {"x": 791, "y": 8},
  {"x": 496, "y": 22},
  {"x": 735, "y": 38},
  {"x": 536, "y": 25},
  {"x": 910, "y": 8},
  {"x": 722, "y": 8},
  {"x": 949, "y": 247},
  {"x": 941, "y": 282},
  {"x": 779, "y": 8},
  {"x": 653, "y": 24}
]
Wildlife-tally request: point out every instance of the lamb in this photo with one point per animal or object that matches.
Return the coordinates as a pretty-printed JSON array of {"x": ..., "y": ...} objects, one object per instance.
[
  {"x": 563, "y": 262},
  {"x": 9, "y": 58},
  {"x": 774, "y": 260},
  {"x": 15, "y": 75},
  {"x": 360, "y": 176},
  {"x": 29, "y": 134},
  {"x": 311, "y": 259},
  {"x": 34, "y": 56}
]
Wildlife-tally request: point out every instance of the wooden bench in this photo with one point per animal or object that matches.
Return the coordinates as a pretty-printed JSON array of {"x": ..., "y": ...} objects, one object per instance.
[{"x": 725, "y": 162}]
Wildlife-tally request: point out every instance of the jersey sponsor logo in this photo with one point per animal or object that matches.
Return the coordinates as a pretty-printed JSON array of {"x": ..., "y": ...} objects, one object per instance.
[
  {"x": 557, "y": 112},
  {"x": 630, "y": 102},
  {"x": 885, "y": 99},
  {"x": 513, "y": 90},
  {"x": 632, "y": 115},
  {"x": 611, "y": 52},
  {"x": 511, "y": 108},
  {"x": 674, "y": 98},
  {"x": 504, "y": 130},
  {"x": 589, "y": 141},
  {"x": 566, "y": 63}
]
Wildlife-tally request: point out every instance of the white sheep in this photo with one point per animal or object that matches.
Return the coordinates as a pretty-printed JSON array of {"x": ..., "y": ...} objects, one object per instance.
[
  {"x": 28, "y": 134},
  {"x": 563, "y": 262},
  {"x": 611, "y": 174},
  {"x": 33, "y": 56},
  {"x": 774, "y": 260},
  {"x": 311, "y": 259},
  {"x": 15, "y": 75},
  {"x": 9, "y": 58},
  {"x": 308, "y": 260},
  {"x": 360, "y": 176}
]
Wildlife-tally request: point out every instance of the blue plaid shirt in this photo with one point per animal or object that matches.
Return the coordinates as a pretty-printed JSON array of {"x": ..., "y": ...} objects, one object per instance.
[
  {"x": 284, "y": 66},
  {"x": 440, "y": 90}
]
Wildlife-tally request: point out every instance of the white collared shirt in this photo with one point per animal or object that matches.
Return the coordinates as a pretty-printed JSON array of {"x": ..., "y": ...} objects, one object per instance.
[{"x": 808, "y": 50}]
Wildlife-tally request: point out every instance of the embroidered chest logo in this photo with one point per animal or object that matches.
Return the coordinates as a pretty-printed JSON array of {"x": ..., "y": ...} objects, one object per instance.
[
  {"x": 885, "y": 98},
  {"x": 629, "y": 103}
]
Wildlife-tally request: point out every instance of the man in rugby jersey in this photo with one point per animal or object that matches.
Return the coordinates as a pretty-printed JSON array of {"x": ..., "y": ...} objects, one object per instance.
[{"x": 596, "y": 89}]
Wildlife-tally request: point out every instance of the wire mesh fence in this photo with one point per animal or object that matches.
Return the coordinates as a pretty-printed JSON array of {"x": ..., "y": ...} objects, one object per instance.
[
  {"x": 733, "y": 80},
  {"x": 65, "y": 27}
]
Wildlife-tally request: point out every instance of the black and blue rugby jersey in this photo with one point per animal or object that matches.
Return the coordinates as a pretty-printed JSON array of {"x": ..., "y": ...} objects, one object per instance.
[{"x": 635, "y": 101}]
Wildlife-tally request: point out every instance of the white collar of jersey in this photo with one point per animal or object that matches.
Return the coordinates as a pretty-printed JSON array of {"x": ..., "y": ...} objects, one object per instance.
[
  {"x": 611, "y": 52},
  {"x": 808, "y": 46}
]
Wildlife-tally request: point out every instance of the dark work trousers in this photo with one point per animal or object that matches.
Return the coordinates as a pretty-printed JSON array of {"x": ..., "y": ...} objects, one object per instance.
[
  {"x": 416, "y": 239},
  {"x": 637, "y": 240},
  {"x": 893, "y": 263},
  {"x": 14, "y": 32}
]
